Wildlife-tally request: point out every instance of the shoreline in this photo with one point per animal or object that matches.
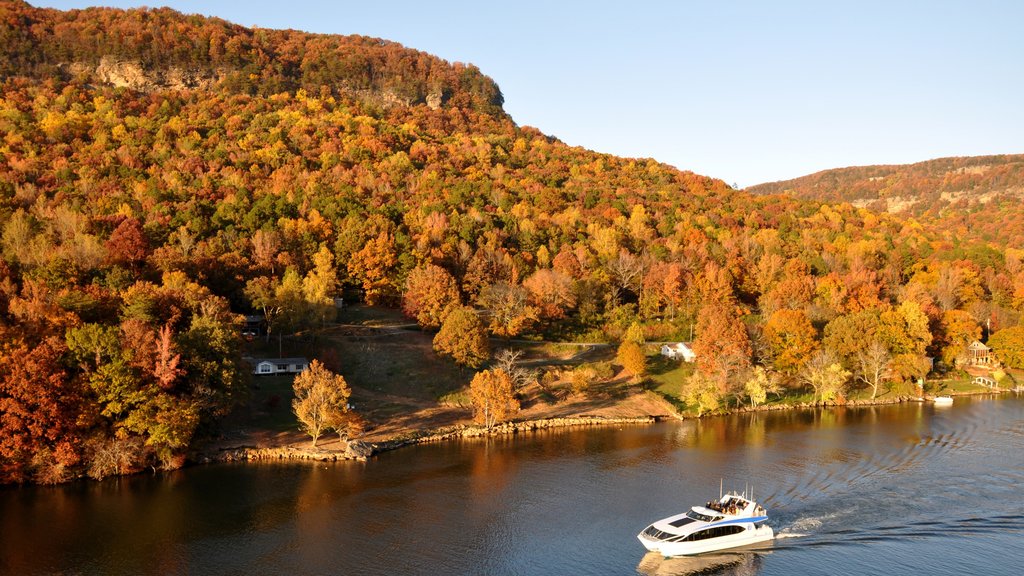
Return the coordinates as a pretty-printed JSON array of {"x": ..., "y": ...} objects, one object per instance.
[{"x": 362, "y": 451}]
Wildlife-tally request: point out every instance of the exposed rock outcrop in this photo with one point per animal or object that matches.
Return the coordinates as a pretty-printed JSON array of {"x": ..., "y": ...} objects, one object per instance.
[{"x": 132, "y": 74}]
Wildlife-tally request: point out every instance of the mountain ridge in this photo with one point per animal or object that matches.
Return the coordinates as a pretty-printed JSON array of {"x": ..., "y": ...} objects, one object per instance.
[{"x": 155, "y": 43}]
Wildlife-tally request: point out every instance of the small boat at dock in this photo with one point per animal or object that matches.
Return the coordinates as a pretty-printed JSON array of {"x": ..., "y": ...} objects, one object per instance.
[{"x": 943, "y": 400}]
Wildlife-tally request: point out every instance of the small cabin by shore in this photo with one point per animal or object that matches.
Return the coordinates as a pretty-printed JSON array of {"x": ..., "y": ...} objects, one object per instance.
[{"x": 268, "y": 366}]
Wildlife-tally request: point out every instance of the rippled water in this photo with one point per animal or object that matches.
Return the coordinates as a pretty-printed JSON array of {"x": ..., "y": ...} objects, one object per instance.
[{"x": 911, "y": 489}]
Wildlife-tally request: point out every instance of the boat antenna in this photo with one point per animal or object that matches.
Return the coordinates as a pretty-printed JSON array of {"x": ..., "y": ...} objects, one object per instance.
[{"x": 720, "y": 483}]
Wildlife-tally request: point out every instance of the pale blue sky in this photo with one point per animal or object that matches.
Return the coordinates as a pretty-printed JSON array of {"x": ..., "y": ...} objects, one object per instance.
[{"x": 744, "y": 91}]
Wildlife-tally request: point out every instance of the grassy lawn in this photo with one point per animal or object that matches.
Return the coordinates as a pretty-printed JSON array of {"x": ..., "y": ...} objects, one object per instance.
[
  {"x": 668, "y": 376},
  {"x": 363, "y": 315},
  {"x": 402, "y": 365},
  {"x": 271, "y": 403}
]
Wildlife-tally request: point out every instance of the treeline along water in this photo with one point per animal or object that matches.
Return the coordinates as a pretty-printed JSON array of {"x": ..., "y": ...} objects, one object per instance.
[{"x": 911, "y": 489}]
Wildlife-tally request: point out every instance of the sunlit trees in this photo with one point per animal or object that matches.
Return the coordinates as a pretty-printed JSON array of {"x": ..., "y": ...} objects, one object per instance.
[
  {"x": 429, "y": 293},
  {"x": 40, "y": 413},
  {"x": 373, "y": 266},
  {"x": 791, "y": 338},
  {"x": 632, "y": 358},
  {"x": 551, "y": 292},
  {"x": 462, "y": 338},
  {"x": 508, "y": 308},
  {"x": 825, "y": 375},
  {"x": 722, "y": 344},
  {"x": 321, "y": 400},
  {"x": 127, "y": 244},
  {"x": 759, "y": 384},
  {"x": 702, "y": 393},
  {"x": 1008, "y": 346},
  {"x": 493, "y": 396},
  {"x": 904, "y": 331},
  {"x": 319, "y": 285},
  {"x": 959, "y": 329}
]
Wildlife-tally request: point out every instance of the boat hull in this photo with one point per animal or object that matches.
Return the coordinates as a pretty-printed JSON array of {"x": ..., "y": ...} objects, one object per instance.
[{"x": 745, "y": 538}]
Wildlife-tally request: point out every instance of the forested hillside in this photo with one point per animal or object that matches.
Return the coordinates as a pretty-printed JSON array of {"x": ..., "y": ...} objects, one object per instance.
[
  {"x": 137, "y": 225},
  {"x": 978, "y": 195},
  {"x": 150, "y": 47}
]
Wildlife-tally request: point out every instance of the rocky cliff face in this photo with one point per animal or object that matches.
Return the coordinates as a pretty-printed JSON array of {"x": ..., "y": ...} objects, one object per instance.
[{"x": 132, "y": 74}]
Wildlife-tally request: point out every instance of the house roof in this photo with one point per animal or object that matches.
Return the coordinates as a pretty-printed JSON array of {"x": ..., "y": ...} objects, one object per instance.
[
  {"x": 976, "y": 345},
  {"x": 258, "y": 361}
]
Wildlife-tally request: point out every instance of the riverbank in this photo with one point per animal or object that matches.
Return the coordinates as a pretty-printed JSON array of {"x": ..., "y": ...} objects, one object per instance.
[
  {"x": 360, "y": 450},
  {"x": 337, "y": 450}
]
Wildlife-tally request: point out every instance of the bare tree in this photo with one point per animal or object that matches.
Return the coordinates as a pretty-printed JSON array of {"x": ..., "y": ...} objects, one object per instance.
[
  {"x": 508, "y": 361},
  {"x": 626, "y": 270},
  {"x": 872, "y": 362}
]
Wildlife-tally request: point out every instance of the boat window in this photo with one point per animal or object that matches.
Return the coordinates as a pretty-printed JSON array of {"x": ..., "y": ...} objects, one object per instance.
[
  {"x": 681, "y": 522},
  {"x": 657, "y": 534},
  {"x": 702, "y": 517},
  {"x": 716, "y": 532}
]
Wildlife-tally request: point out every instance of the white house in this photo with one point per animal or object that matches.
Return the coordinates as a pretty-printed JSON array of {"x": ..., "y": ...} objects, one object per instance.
[
  {"x": 678, "y": 351},
  {"x": 263, "y": 366}
]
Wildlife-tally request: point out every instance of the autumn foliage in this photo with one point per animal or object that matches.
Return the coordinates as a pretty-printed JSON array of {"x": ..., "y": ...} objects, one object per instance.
[{"x": 138, "y": 224}]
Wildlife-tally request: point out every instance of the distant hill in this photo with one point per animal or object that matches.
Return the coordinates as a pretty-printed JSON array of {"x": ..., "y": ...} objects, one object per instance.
[
  {"x": 154, "y": 48},
  {"x": 980, "y": 193}
]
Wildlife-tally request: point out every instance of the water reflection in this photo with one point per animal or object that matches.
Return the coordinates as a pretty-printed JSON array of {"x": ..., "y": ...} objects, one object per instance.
[
  {"x": 722, "y": 563},
  {"x": 859, "y": 485}
]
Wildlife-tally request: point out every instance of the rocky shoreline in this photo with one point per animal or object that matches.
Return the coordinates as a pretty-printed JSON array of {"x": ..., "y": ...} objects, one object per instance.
[{"x": 358, "y": 450}]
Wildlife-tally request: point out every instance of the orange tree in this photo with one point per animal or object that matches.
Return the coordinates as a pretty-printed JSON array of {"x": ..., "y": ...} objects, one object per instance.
[{"x": 493, "y": 397}]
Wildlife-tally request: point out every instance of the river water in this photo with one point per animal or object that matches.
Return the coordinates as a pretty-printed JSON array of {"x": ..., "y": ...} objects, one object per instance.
[{"x": 913, "y": 489}]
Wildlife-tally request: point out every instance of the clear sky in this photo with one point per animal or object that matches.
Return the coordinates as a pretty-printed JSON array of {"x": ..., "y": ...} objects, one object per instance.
[{"x": 749, "y": 92}]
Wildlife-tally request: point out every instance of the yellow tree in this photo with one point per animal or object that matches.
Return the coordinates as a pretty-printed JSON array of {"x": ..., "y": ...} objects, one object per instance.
[
  {"x": 825, "y": 375},
  {"x": 321, "y": 400},
  {"x": 791, "y": 338},
  {"x": 462, "y": 337},
  {"x": 959, "y": 329},
  {"x": 1008, "y": 345},
  {"x": 632, "y": 358},
  {"x": 319, "y": 284},
  {"x": 493, "y": 397}
]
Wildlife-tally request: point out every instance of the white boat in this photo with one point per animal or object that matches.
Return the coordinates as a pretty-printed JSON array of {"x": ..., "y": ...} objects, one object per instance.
[
  {"x": 732, "y": 520},
  {"x": 943, "y": 400}
]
